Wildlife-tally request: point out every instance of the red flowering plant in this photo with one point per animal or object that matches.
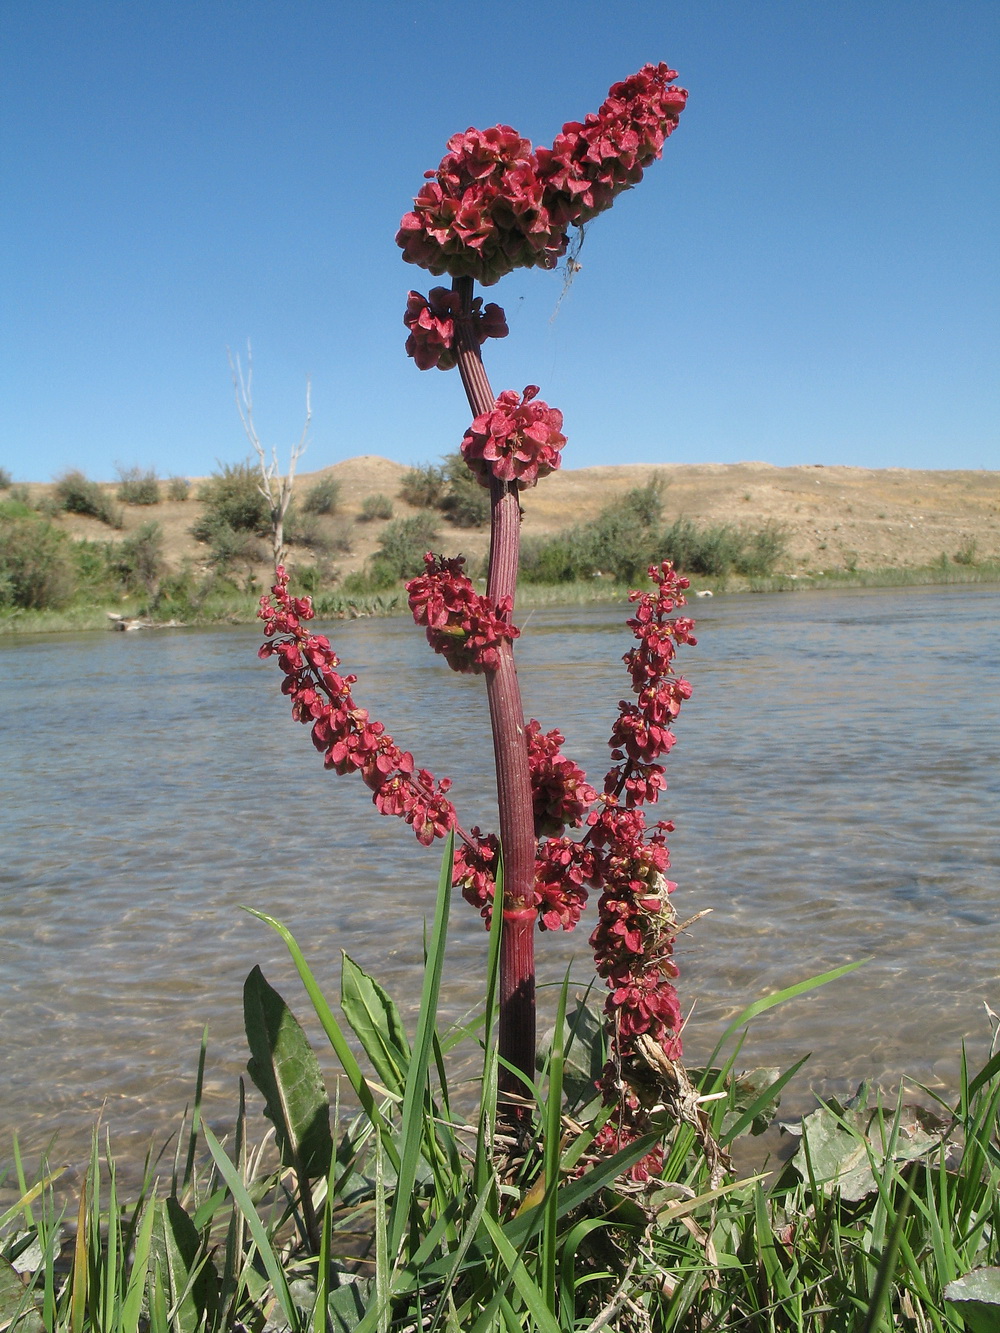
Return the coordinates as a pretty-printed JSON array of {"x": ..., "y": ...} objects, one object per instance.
[{"x": 494, "y": 204}]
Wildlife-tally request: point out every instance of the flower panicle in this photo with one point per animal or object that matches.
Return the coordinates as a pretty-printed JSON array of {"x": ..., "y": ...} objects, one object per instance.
[
  {"x": 431, "y": 323},
  {"x": 495, "y": 204},
  {"x": 633, "y": 941},
  {"x": 348, "y": 738},
  {"x": 520, "y": 439},
  {"x": 465, "y": 627}
]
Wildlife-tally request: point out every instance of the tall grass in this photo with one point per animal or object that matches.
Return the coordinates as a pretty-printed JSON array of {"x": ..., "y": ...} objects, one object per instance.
[{"x": 413, "y": 1212}]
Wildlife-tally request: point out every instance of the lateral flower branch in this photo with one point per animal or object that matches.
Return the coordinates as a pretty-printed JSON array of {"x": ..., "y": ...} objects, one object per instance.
[{"x": 494, "y": 204}]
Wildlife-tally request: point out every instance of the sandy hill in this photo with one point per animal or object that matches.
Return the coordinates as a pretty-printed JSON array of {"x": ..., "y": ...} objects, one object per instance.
[{"x": 834, "y": 517}]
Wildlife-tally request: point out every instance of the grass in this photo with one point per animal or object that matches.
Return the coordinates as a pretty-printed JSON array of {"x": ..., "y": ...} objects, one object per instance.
[
  {"x": 226, "y": 605},
  {"x": 413, "y": 1212}
]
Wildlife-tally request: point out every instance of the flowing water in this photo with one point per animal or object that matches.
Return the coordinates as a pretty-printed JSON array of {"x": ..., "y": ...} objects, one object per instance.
[{"x": 834, "y": 788}]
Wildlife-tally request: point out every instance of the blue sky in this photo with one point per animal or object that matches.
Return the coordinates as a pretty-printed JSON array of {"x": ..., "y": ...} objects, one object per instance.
[{"x": 809, "y": 275}]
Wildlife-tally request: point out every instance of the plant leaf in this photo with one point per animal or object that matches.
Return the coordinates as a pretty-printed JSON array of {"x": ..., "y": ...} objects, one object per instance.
[
  {"x": 977, "y": 1295},
  {"x": 17, "y": 1309},
  {"x": 286, "y": 1071},
  {"x": 373, "y": 1016}
]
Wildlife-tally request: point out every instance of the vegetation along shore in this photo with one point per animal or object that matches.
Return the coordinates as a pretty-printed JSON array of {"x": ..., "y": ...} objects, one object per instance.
[{"x": 75, "y": 553}]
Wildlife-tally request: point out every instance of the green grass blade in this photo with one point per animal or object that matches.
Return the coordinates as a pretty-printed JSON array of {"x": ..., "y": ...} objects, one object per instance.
[
  {"x": 416, "y": 1075},
  {"x": 132, "y": 1305},
  {"x": 531, "y": 1294},
  {"x": 551, "y": 1151},
  {"x": 240, "y": 1194},
  {"x": 768, "y": 1095},
  {"x": 334, "y": 1034},
  {"x": 767, "y": 1002},
  {"x": 199, "y": 1086}
]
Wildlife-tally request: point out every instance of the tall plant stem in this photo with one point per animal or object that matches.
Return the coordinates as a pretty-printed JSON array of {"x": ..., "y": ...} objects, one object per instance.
[{"x": 517, "y": 833}]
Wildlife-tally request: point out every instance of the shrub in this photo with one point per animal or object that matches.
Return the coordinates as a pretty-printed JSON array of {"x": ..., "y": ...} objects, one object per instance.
[
  {"x": 375, "y": 506},
  {"x": 36, "y": 565},
  {"x": 20, "y": 493},
  {"x": 323, "y": 497},
  {"x": 178, "y": 488},
  {"x": 967, "y": 554},
  {"x": 464, "y": 503},
  {"x": 233, "y": 546},
  {"x": 424, "y": 486},
  {"x": 76, "y": 495},
  {"x": 232, "y": 499},
  {"x": 6, "y": 480},
  {"x": 644, "y": 503},
  {"x": 137, "y": 487},
  {"x": 137, "y": 562},
  {"x": 620, "y": 543},
  {"x": 401, "y": 551},
  {"x": 764, "y": 548}
]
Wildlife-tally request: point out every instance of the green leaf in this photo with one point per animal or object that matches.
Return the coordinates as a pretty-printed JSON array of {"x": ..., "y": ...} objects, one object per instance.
[
  {"x": 258, "y": 1231},
  {"x": 412, "y": 1117},
  {"x": 767, "y": 1002},
  {"x": 377, "y": 1025},
  {"x": 977, "y": 1296},
  {"x": 191, "y": 1275},
  {"x": 286, "y": 1071},
  {"x": 346, "y": 1306},
  {"x": 755, "y": 1096},
  {"x": 839, "y": 1145},
  {"x": 17, "y": 1310}
]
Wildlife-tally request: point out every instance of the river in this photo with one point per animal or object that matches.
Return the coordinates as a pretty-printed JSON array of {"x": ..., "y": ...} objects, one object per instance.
[{"x": 834, "y": 787}]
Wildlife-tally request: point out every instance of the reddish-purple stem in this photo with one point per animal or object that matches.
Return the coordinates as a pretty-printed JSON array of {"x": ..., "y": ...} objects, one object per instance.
[{"x": 517, "y": 829}]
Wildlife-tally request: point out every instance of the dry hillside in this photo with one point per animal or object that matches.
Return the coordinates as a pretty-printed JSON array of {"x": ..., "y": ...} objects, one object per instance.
[{"x": 834, "y": 517}]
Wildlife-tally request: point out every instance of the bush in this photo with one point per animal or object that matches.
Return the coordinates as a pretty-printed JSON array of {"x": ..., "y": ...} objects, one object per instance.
[
  {"x": 620, "y": 543},
  {"x": 401, "y": 551},
  {"x": 6, "y": 480},
  {"x": 137, "y": 562},
  {"x": 323, "y": 498},
  {"x": 424, "y": 486},
  {"x": 36, "y": 565},
  {"x": 464, "y": 503},
  {"x": 232, "y": 499},
  {"x": 137, "y": 487},
  {"x": 695, "y": 550},
  {"x": 233, "y": 546},
  {"x": 763, "y": 549},
  {"x": 375, "y": 506},
  {"x": 76, "y": 495},
  {"x": 178, "y": 488},
  {"x": 967, "y": 554}
]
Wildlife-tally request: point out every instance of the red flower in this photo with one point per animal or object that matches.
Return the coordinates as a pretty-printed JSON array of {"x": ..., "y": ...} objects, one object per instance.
[
  {"x": 560, "y": 791},
  {"x": 518, "y": 440},
  {"x": 431, "y": 321},
  {"x": 493, "y": 205},
  {"x": 466, "y": 628},
  {"x": 349, "y": 739}
]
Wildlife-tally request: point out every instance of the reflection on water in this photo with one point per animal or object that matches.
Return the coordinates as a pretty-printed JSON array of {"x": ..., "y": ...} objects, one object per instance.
[{"x": 834, "y": 787}]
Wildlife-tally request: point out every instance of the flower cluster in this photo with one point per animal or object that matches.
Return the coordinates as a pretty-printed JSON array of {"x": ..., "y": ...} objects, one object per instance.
[
  {"x": 431, "y": 321},
  {"x": 519, "y": 440},
  {"x": 465, "y": 627},
  {"x": 589, "y": 165},
  {"x": 560, "y": 791},
  {"x": 349, "y": 739},
  {"x": 494, "y": 205},
  {"x": 634, "y": 938},
  {"x": 482, "y": 213},
  {"x": 474, "y": 870}
]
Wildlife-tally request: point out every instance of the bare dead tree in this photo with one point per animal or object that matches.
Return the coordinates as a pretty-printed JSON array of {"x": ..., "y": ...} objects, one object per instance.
[{"x": 273, "y": 486}]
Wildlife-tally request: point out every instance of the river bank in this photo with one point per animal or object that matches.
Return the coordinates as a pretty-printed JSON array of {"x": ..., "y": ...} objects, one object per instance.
[
  {"x": 233, "y": 607},
  {"x": 839, "y": 527}
]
